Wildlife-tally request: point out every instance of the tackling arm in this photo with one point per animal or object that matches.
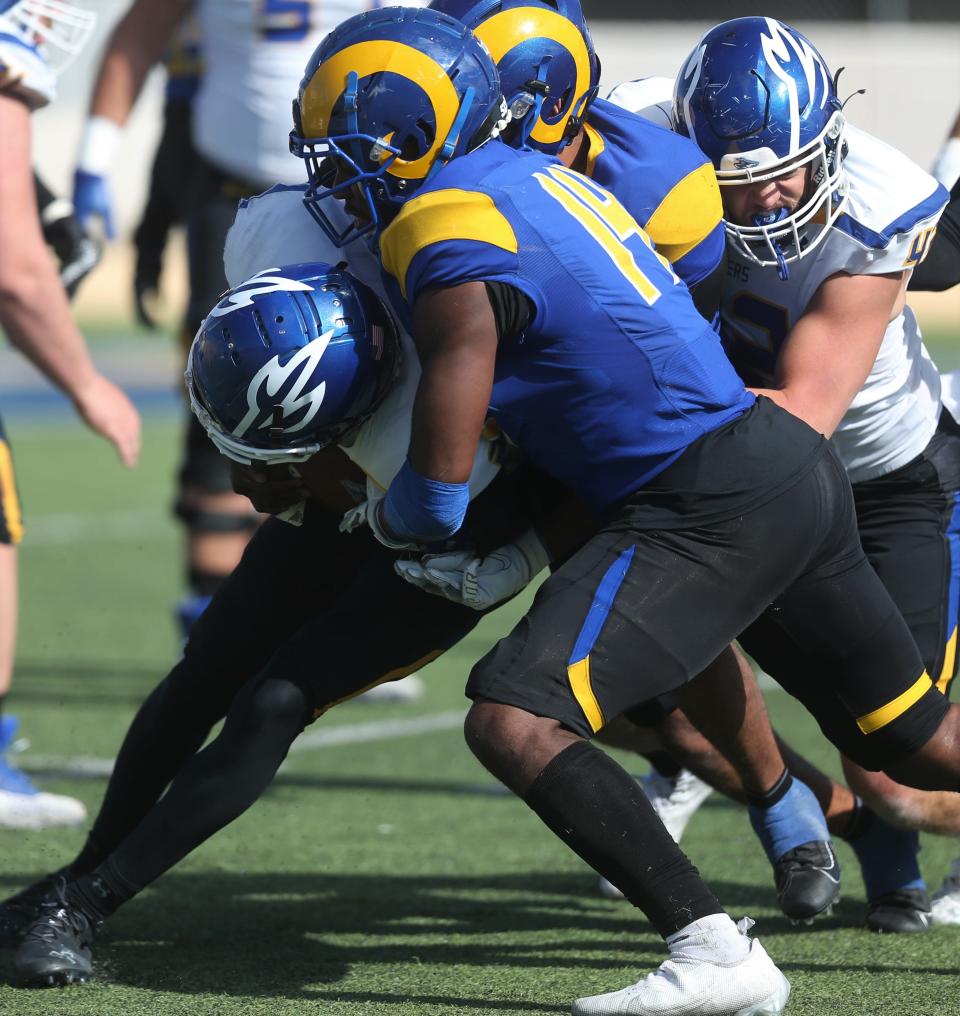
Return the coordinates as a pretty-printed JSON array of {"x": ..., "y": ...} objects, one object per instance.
[
  {"x": 829, "y": 352},
  {"x": 456, "y": 337}
]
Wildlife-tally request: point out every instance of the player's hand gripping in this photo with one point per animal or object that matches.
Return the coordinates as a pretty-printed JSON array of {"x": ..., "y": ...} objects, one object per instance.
[
  {"x": 107, "y": 411},
  {"x": 478, "y": 582},
  {"x": 272, "y": 489}
]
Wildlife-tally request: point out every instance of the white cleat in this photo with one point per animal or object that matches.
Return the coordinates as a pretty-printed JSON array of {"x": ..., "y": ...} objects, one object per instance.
[
  {"x": 688, "y": 987},
  {"x": 945, "y": 902},
  {"x": 674, "y": 799},
  {"x": 38, "y": 810},
  {"x": 406, "y": 689}
]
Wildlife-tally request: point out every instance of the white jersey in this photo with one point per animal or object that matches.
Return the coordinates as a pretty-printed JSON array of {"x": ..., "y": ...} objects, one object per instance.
[
  {"x": 275, "y": 229},
  {"x": 255, "y": 53},
  {"x": 24, "y": 72},
  {"x": 651, "y": 98},
  {"x": 887, "y": 224},
  {"x": 254, "y": 60}
]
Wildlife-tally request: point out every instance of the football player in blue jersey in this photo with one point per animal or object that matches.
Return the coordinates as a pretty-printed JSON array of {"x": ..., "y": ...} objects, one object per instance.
[
  {"x": 35, "y": 39},
  {"x": 502, "y": 260},
  {"x": 549, "y": 73}
]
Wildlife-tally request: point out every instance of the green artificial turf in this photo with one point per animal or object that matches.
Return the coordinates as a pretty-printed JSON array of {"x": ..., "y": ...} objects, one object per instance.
[{"x": 379, "y": 877}]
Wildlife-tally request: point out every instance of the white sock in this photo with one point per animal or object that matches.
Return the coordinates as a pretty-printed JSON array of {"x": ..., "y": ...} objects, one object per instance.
[{"x": 714, "y": 939}]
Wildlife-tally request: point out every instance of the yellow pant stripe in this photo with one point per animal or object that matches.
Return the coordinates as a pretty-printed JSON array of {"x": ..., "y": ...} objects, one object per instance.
[
  {"x": 872, "y": 722},
  {"x": 579, "y": 676},
  {"x": 949, "y": 661},
  {"x": 8, "y": 496},
  {"x": 391, "y": 675}
]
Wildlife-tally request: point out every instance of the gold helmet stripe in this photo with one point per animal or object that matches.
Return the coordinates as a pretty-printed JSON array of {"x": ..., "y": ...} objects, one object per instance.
[
  {"x": 328, "y": 82},
  {"x": 508, "y": 29}
]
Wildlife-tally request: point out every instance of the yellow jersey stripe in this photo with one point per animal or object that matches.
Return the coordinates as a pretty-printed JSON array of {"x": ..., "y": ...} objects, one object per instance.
[
  {"x": 442, "y": 215},
  {"x": 8, "y": 496},
  {"x": 879, "y": 718},
  {"x": 596, "y": 149},
  {"x": 949, "y": 661},
  {"x": 689, "y": 213},
  {"x": 579, "y": 676}
]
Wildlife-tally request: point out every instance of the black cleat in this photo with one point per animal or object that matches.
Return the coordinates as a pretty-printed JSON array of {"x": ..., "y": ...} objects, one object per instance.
[
  {"x": 56, "y": 947},
  {"x": 19, "y": 911},
  {"x": 904, "y": 911},
  {"x": 807, "y": 880}
]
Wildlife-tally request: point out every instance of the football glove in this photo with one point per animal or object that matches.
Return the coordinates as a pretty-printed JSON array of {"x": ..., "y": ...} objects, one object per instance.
[
  {"x": 478, "y": 582},
  {"x": 91, "y": 196}
]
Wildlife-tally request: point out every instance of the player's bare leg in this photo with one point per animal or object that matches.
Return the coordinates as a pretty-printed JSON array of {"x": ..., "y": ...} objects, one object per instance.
[{"x": 22, "y": 805}]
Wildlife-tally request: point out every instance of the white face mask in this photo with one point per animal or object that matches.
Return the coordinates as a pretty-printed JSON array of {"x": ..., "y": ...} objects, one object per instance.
[{"x": 59, "y": 29}]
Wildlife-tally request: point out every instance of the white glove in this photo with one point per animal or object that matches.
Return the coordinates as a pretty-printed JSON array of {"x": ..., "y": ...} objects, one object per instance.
[
  {"x": 478, "y": 582},
  {"x": 371, "y": 512}
]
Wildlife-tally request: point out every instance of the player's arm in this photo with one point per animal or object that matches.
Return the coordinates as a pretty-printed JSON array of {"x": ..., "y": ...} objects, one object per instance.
[
  {"x": 829, "y": 352},
  {"x": 940, "y": 269},
  {"x": 456, "y": 337},
  {"x": 33, "y": 305},
  {"x": 137, "y": 43}
]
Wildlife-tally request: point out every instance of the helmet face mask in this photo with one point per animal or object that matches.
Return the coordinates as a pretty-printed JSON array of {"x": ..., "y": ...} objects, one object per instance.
[
  {"x": 290, "y": 361},
  {"x": 390, "y": 97},
  {"x": 58, "y": 28},
  {"x": 548, "y": 68},
  {"x": 760, "y": 101}
]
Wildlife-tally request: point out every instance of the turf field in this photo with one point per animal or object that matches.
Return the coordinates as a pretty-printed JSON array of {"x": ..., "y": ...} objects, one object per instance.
[{"x": 381, "y": 874}]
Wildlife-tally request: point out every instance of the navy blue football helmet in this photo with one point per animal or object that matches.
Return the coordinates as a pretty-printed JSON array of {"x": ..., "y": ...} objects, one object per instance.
[
  {"x": 290, "y": 360},
  {"x": 549, "y": 71},
  {"x": 760, "y": 101},
  {"x": 387, "y": 99}
]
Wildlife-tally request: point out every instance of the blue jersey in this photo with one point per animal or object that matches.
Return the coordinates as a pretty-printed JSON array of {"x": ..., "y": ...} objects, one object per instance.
[
  {"x": 664, "y": 181},
  {"x": 617, "y": 374}
]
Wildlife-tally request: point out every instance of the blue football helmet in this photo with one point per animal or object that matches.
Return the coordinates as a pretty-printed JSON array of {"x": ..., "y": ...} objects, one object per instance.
[
  {"x": 549, "y": 71},
  {"x": 388, "y": 98},
  {"x": 290, "y": 360},
  {"x": 760, "y": 101},
  {"x": 58, "y": 28}
]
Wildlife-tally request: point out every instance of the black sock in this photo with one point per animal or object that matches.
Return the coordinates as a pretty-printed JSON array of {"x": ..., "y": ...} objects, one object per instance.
[
  {"x": 100, "y": 892},
  {"x": 663, "y": 762},
  {"x": 601, "y": 813},
  {"x": 91, "y": 854},
  {"x": 775, "y": 794},
  {"x": 859, "y": 822}
]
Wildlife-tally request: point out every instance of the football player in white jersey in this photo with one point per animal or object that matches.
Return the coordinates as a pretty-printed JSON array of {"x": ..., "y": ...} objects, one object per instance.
[
  {"x": 824, "y": 225},
  {"x": 254, "y": 52},
  {"x": 35, "y": 316}
]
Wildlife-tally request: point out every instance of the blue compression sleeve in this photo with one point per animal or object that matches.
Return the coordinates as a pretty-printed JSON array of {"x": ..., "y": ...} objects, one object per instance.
[{"x": 425, "y": 510}]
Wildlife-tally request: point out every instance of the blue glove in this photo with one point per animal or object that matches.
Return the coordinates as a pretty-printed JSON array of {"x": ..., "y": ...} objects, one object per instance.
[{"x": 91, "y": 196}]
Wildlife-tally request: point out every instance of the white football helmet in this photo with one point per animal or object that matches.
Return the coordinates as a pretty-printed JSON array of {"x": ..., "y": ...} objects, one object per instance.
[{"x": 58, "y": 29}]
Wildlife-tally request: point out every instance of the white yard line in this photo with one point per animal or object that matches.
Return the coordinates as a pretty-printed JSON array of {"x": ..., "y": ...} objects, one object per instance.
[
  {"x": 352, "y": 733},
  {"x": 133, "y": 525}
]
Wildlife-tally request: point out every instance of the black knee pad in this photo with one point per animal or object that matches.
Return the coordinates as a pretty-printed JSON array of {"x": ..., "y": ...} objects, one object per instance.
[
  {"x": 279, "y": 699},
  {"x": 202, "y": 521}
]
